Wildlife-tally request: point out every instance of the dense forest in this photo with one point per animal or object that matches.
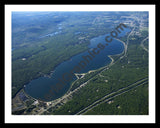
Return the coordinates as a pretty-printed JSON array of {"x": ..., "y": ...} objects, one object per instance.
[
  {"x": 133, "y": 67},
  {"x": 42, "y": 41}
]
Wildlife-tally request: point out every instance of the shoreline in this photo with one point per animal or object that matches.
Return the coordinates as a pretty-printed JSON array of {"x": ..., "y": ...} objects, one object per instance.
[
  {"x": 49, "y": 75},
  {"x": 68, "y": 95},
  {"x": 83, "y": 74}
]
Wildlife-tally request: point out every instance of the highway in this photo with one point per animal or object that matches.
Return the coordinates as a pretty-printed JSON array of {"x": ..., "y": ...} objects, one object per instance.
[{"x": 113, "y": 95}]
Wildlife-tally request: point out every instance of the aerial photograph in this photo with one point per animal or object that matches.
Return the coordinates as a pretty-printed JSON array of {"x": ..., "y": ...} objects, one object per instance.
[{"x": 80, "y": 62}]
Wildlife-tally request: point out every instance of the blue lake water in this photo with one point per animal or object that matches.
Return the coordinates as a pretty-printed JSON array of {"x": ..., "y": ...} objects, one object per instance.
[{"x": 40, "y": 87}]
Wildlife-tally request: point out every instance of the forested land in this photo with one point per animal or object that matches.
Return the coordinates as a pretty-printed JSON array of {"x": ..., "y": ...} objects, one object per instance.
[
  {"x": 126, "y": 71},
  {"x": 41, "y": 41}
]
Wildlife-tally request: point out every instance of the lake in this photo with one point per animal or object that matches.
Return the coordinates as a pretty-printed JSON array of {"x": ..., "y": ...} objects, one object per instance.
[{"x": 41, "y": 86}]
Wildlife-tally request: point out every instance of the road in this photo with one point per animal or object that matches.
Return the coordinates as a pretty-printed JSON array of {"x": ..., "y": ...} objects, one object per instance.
[
  {"x": 64, "y": 98},
  {"x": 142, "y": 45},
  {"x": 113, "y": 95},
  {"x": 107, "y": 97},
  {"x": 69, "y": 94}
]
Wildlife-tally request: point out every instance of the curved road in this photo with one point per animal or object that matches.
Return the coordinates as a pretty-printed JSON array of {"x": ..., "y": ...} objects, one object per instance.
[{"x": 142, "y": 45}]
